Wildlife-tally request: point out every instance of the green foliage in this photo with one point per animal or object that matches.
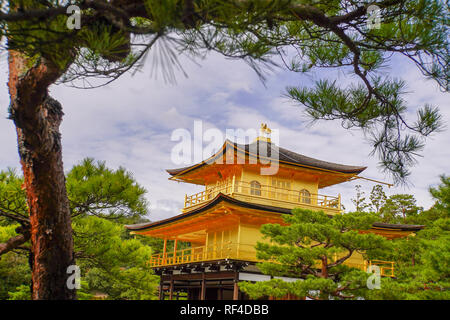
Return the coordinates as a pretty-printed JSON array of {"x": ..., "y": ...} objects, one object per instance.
[
  {"x": 442, "y": 195},
  {"x": 377, "y": 198},
  {"x": 111, "y": 264},
  {"x": 314, "y": 247},
  {"x": 423, "y": 261},
  {"x": 399, "y": 207},
  {"x": 422, "y": 265},
  {"x": 22, "y": 292},
  {"x": 101, "y": 201},
  {"x": 14, "y": 268},
  {"x": 94, "y": 189},
  {"x": 15, "y": 273},
  {"x": 12, "y": 197}
]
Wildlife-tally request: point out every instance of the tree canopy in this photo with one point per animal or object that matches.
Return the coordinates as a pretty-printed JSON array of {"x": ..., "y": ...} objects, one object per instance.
[
  {"x": 102, "y": 200},
  {"x": 115, "y": 37},
  {"x": 314, "y": 248}
]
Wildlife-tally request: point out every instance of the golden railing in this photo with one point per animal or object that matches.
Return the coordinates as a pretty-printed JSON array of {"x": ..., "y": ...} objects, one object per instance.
[
  {"x": 295, "y": 197},
  {"x": 240, "y": 251},
  {"x": 228, "y": 250},
  {"x": 386, "y": 267}
]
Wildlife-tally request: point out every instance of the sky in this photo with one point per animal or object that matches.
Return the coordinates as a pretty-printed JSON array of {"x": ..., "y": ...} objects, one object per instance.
[{"x": 130, "y": 122}]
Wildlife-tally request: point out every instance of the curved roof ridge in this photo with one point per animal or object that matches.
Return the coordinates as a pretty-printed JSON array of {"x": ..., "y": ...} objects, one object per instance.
[{"x": 284, "y": 155}]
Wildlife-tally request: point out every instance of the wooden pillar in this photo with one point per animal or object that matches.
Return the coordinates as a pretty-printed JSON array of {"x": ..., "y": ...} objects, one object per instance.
[
  {"x": 215, "y": 245},
  {"x": 175, "y": 251},
  {"x": 235, "y": 286},
  {"x": 205, "y": 252},
  {"x": 238, "y": 239},
  {"x": 221, "y": 246},
  {"x": 171, "y": 287},
  {"x": 203, "y": 289},
  {"x": 160, "y": 289}
]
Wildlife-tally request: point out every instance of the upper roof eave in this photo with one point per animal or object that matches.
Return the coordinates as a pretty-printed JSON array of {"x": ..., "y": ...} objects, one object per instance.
[{"x": 284, "y": 156}]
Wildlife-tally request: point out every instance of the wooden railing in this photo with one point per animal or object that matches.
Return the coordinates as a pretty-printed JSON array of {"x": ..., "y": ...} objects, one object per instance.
[
  {"x": 227, "y": 250},
  {"x": 282, "y": 195}
]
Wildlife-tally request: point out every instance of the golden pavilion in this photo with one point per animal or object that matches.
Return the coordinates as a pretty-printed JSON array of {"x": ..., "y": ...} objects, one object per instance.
[{"x": 221, "y": 223}]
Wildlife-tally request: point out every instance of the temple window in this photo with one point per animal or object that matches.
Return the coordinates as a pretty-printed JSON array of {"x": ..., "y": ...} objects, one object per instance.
[
  {"x": 305, "y": 196},
  {"x": 255, "y": 188}
]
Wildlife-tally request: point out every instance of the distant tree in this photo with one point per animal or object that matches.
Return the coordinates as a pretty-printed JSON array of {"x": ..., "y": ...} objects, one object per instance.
[
  {"x": 360, "y": 200},
  {"x": 377, "y": 198},
  {"x": 314, "y": 247},
  {"x": 399, "y": 207}
]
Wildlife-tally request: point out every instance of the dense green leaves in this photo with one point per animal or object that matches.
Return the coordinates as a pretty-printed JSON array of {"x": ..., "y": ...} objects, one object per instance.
[
  {"x": 109, "y": 263},
  {"x": 14, "y": 270},
  {"x": 422, "y": 260},
  {"x": 314, "y": 247},
  {"x": 12, "y": 197},
  {"x": 94, "y": 189},
  {"x": 102, "y": 200},
  {"x": 398, "y": 207}
]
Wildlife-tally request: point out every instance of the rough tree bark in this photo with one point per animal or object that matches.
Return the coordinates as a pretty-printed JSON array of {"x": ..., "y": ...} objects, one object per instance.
[{"x": 37, "y": 117}]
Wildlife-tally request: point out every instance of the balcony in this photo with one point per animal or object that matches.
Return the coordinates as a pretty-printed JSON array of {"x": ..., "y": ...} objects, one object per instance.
[
  {"x": 266, "y": 195},
  {"x": 228, "y": 250},
  {"x": 246, "y": 252}
]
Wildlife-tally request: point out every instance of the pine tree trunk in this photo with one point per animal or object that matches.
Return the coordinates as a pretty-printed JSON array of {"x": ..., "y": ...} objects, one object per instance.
[
  {"x": 324, "y": 267},
  {"x": 37, "y": 118}
]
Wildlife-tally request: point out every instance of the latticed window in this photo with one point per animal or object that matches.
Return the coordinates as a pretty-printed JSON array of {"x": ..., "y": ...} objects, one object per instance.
[
  {"x": 255, "y": 188},
  {"x": 305, "y": 196}
]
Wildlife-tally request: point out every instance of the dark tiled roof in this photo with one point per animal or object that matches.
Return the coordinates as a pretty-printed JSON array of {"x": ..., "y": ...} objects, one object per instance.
[
  {"x": 284, "y": 155},
  {"x": 404, "y": 227},
  {"x": 222, "y": 197}
]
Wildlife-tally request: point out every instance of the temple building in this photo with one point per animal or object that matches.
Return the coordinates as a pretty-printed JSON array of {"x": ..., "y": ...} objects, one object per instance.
[{"x": 221, "y": 223}]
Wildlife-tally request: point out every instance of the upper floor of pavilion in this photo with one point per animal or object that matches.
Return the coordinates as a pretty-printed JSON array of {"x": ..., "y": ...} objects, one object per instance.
[{"x": 264, "y": 173}]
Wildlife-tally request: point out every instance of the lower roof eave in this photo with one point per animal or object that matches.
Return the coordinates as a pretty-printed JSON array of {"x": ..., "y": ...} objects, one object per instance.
[{"x": 225, "y": 198}]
